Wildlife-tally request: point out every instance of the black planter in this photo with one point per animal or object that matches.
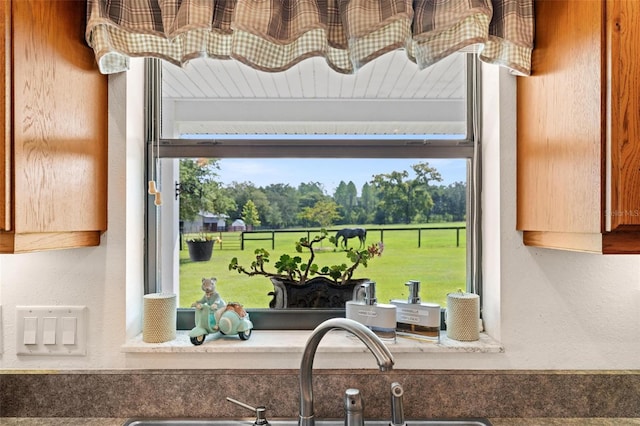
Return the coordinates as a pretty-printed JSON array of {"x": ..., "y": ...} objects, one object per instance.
[
  {"x": 318, "y": 292},
  {"x": 200, "y": 251}
]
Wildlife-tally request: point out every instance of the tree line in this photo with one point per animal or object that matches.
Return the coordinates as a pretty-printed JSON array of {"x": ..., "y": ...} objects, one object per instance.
[{"x": 388, "y": 198}]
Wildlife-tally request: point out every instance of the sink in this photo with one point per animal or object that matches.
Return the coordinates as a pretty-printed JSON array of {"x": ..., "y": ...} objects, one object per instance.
[
  {"x": 385, "y": 361},
  {"x": 277, "y": 422}
]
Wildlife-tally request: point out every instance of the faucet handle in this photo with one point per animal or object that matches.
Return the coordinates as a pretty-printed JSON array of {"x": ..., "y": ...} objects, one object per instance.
[{"x": 261, "y": 418}]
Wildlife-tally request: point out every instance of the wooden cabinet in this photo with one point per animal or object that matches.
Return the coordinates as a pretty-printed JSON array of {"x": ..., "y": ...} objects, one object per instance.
[
  {"x": 578, "y": 146},
  {"x": 53, "y": 176}
]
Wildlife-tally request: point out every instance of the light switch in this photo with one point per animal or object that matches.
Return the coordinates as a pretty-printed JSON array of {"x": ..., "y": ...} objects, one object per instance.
[
  {"x": 69, "y": 331},
  {"x": 30, "y": 330},
  {"x": 49, "y": 331}
]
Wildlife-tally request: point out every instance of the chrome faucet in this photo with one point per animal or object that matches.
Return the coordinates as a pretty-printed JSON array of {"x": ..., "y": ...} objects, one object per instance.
[{"x": 373, "y": 342}]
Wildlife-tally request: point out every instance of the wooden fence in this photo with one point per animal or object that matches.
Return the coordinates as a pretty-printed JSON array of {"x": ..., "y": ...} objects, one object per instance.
[{"x": 270, "y": 235}]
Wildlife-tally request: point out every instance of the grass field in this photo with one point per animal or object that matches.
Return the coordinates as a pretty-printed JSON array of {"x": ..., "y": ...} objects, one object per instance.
[{"x": 438, "y": 264}]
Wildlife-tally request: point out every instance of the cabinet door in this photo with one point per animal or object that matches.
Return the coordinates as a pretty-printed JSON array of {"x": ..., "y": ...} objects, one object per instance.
[
  {"x": 5, "y": 116},
  {"x": 624, "y": 143},
  {"x": 59, "y": 121},
  {"x": 561, "y": 121},
  {"x": 579, "y": 128}
]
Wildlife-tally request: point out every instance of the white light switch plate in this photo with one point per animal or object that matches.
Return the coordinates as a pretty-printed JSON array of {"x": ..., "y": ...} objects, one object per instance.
[{"x": 59, "y": 330}]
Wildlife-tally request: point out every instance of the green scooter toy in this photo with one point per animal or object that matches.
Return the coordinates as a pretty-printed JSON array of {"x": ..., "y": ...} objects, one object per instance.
[{"x": 212, "y": 315}]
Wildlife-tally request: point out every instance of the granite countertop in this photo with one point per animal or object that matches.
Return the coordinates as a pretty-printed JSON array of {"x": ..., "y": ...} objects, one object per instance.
[
  {"x": 91, "y": 421},
  {"x": 610, "y": 421},
  {"x": 60, "y": 421}
]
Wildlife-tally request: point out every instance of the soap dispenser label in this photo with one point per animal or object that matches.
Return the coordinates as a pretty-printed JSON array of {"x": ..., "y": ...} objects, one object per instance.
[
  {"x": 367, "y": 313},
  {"x": 409, "y": 318}
]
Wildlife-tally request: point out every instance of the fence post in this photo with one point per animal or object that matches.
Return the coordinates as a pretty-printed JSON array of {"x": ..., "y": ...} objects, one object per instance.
[
  {"x": 419, "y": 237},
  {"x": 457, "y": 237},
  {"x": 242, "y": 240},
  {"x": 273, "y": 240}
]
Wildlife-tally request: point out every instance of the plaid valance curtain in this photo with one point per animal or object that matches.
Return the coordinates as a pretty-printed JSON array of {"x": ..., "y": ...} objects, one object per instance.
[{"x": 273, "y": 35}]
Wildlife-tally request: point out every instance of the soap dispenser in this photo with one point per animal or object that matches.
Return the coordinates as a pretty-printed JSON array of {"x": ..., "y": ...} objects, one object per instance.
[
  {"x": 416, "y": 318},
  {"x": 379, "y": 317}
]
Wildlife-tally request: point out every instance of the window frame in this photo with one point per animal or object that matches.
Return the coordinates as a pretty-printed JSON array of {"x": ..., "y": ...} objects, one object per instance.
[{"x": 158, "y": 147}]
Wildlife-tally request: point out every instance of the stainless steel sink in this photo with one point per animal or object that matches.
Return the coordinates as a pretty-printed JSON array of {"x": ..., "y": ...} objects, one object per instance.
[{"x": 277, "y": 422}]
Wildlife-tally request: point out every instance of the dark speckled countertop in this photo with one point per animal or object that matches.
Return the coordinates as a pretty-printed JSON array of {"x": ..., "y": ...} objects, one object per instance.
[
  {"x": 535, "y": 398},
  {"x": 89, "y": 421}
]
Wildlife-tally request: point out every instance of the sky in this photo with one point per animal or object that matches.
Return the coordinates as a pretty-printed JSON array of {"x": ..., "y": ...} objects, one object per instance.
[{"x": 329, "y": 172}]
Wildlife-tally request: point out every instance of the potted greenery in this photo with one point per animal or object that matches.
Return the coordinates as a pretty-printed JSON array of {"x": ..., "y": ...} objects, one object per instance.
[
  {"x": 199, "y": 192},
  {"x": 304, "y": 284},
  {"x": 200, "y": 247}
]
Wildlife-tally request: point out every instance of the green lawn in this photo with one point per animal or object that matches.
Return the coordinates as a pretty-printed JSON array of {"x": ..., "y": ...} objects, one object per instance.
[{"x": 438, "y": 264}]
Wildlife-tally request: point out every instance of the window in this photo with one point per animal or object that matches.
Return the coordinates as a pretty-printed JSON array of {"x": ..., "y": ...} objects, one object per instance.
[{"x": 285, "y": 142}]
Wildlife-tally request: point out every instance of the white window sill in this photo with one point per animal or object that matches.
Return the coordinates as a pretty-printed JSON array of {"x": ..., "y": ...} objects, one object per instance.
[{"x": 289, "y": 341}]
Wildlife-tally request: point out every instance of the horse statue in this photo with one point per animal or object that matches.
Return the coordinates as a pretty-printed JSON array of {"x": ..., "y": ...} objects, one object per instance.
[{"x": 348, "y": 233}]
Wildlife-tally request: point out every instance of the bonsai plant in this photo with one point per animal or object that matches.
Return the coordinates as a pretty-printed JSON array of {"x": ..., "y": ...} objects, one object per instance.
[{"x": 299, "y": 283}]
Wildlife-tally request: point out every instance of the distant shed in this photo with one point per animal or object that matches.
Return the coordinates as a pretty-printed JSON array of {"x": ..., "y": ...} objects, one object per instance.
[{"x": 238, "y": 225}]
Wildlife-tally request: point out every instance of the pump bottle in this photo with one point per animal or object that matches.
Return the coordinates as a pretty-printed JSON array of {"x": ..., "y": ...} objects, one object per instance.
[
  {"x": 379, "y": 317},
  {"x": 415, "y": 318}
]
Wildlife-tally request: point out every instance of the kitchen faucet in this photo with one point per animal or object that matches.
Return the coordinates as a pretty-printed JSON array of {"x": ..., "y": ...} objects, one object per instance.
[{"x": 373, "y": 342}]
